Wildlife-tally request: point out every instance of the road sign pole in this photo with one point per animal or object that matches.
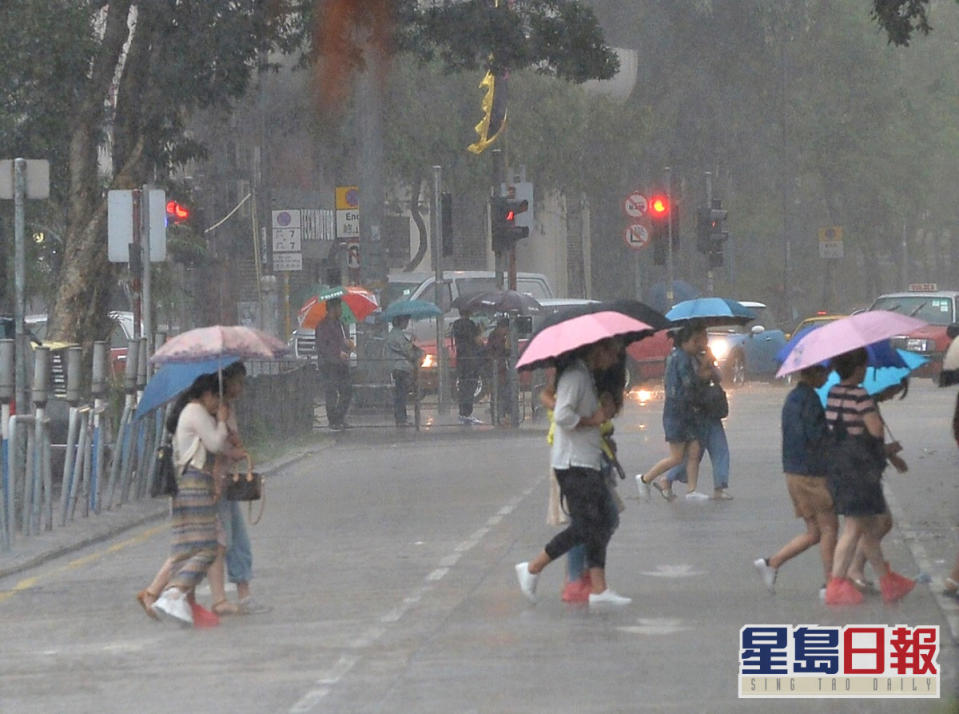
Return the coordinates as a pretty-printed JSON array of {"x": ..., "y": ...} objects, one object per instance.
[
  {"x": 19, "y": 277},
  {"x": 669, "y": 238},
  {"x": 436, "y": 254},
  {"x": 710, "y": 287},
  {"x": 147, "y": 271}
]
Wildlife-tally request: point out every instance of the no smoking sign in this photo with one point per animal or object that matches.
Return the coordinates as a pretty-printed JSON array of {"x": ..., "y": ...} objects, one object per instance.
[{"x": 636, "y": 236}]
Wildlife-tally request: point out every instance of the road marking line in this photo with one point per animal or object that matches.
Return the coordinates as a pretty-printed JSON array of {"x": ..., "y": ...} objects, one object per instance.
[
  {"x": 347, "y": 662},
  {"x": 28, "y": 583},
  {"x": 343, "y": 665},
  {"x": 309, "y": 700},
  {"x": 948, "y": 608}
]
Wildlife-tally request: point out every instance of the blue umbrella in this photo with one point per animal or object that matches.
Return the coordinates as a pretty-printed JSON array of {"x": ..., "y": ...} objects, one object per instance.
[
  {"x": 881, "y": 354},
  {"x": 656, "y": 295},
  {"x": 175, "y": 377},
  {"x": 711, "y": 311},
  {"x": 879, "y": 378},
  {"x": 415, "y": 309}
]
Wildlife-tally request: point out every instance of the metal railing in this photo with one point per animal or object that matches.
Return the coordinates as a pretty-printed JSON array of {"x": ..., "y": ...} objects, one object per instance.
[{"x": 107, "y": 464}]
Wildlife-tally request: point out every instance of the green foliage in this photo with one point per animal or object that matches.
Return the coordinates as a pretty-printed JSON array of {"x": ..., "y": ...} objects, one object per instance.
[{"x": 900, "y": 18}]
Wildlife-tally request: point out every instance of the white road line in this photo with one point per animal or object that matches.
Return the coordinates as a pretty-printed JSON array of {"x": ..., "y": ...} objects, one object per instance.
[
  {"x": 948, "y": 607},
  {"x": 347, "y": 662}
]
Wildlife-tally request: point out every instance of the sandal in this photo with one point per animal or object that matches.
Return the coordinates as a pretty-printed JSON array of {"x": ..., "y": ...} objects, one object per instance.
[
  {"x": 665, "y": 492},
  {"x": 146, "y": 600},
  {"x": 249, "y": 606},
  {"x": 951, "y": 589},
  {"x": 225, "y": 607},
  {"x": 863, "y": 585}
]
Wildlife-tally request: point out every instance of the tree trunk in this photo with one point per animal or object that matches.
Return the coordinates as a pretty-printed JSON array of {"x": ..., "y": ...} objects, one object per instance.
[{"x": 87, "y": 278}]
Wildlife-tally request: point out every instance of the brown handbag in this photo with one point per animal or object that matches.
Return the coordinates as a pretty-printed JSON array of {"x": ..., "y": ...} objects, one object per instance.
[{"x": 244, "y": 486}]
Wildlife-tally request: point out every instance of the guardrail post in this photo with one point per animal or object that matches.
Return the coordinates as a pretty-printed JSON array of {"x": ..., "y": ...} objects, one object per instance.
[
  {"x": 71, "y": 455},
  {"x": 43, "y": 477},
  {"x": 120, "y": 461},
  {"x": 7, "y": 386},
  {"x": 98, "y": 390}
]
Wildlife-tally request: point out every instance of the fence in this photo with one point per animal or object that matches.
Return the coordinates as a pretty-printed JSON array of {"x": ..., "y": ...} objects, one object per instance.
[{"x": 106, "y": 461}]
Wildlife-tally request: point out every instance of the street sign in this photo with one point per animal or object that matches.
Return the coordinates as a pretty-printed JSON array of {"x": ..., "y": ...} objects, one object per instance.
[
  {"x": 830, "y": 242},
  {"x": 347, "y": 212},
  {"x": 347, "y": 197},
  {"x": 120, "y": 225},
  {"x": 284, "y": 262},
  {"x": 37, "y": 174},
  {"x": 286, "y": 240},
  {"x": 635, "y": 205},
  {"x": 636, "y": 236}
]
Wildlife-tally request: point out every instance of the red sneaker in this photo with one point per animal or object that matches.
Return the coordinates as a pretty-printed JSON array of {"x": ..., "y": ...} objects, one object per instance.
[
  {"x": 894, "y": 586},
  {"x": 576, "y": 591},
  {"x": 841, "y": 591},
  {"x": 203, "y": 617}
]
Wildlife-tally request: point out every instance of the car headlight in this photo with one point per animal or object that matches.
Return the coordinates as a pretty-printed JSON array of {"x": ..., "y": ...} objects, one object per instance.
[
  {"x": 429, "y": 361},
  {"x": 719, "y": 348}
]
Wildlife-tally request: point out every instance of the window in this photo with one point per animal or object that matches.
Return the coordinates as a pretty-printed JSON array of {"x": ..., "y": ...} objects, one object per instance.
[{"x": 934, "y": 310}]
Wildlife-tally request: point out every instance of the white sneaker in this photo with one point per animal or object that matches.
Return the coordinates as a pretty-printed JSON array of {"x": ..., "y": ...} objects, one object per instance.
[
  {"x": 696, "y": 496},
  {"x": 465, "y": 420},
  {"x": 767, "y": 573},
  {"x": 608, "y": 597},
  {"x": 527, "y": 581},
  {"x": 474, "y": 420},
  {"x": 643, "y": 488},
  {"x": 822, "y": 594},
  {"x": 173, "y": 608}
]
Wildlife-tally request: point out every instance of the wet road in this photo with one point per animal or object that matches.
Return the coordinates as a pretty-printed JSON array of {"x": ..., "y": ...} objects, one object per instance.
[{"x": 389, "y": 566}]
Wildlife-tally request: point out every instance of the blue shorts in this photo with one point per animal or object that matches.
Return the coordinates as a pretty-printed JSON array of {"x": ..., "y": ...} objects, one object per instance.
[{"x": 680, "y": 429}]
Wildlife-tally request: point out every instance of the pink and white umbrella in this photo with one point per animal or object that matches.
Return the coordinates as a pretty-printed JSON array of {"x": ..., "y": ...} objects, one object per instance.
[
  {"x": 203, "y": 343},
  {"x": 844, "y": 335},
  {"x": 564, "y": 337}
]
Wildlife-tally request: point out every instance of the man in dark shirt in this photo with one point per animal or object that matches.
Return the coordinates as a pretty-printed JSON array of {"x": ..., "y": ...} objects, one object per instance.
[
  {"x": 333, "y": 349},
  {"x": 468, "y": 340}
]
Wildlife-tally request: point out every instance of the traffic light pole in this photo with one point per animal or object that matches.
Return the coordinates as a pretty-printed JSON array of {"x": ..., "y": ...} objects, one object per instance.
[
  {"x": 710, "y": 287},
  {"x": 436, "y": 254},
  {"x": 147, "y": 292},
  {"x": 669, "y": 238}
]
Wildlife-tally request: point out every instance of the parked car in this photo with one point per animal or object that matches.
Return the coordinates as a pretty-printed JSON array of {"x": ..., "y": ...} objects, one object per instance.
[
  {"x": 940, "y": 308},
  {"x": 747, "y": 352}
]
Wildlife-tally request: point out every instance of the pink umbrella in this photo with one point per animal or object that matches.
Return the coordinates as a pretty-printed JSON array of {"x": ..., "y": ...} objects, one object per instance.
[
  {"x": 205, "y": 343},
  {"x": 844, "y": 335},
  {"x": 568, "y": 335}
]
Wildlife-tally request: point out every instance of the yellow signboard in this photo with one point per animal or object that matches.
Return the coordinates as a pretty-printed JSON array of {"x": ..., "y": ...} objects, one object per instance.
[
  {"x": 830, "y": 233},
  {"x": 347, "y": 197}
]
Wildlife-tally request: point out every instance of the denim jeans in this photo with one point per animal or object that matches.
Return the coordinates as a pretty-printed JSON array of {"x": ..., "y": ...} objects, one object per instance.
[
  {"x": 713, "y": 439},
  {"x": 239, "y": 556}
]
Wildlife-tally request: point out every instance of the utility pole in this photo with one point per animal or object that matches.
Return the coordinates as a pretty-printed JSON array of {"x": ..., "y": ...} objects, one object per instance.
[
  {"x": 437, "y": 257},
  {"x": 669, "y": 238},
  {"x": 710, "y": 286},
  {"x": 20, "y": 272}
]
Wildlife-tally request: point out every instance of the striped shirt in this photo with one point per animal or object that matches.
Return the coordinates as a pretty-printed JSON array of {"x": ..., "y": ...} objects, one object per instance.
[{"x": 853, "y": 402}]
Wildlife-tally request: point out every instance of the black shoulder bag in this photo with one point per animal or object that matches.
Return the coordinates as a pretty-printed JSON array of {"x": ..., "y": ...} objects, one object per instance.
[{"x": 164, "y": 472}]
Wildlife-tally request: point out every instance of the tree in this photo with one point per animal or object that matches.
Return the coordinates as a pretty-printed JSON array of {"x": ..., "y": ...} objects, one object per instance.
[{"x": 150, "y": 64}]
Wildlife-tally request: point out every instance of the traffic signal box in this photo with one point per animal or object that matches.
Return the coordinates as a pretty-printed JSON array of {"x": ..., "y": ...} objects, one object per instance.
[
  {"x": 505, "y": 232},
  {"x": 664, "y": 223},
  {"x": 711, "y": 235},
  {"x": 176, "y": 213}
]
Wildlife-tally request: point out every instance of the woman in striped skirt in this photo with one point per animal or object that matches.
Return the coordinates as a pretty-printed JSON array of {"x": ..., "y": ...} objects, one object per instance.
[{"x": 200, "y": 432}]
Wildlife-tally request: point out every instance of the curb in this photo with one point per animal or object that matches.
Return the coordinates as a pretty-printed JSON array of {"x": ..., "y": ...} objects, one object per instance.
[{"x": 104, "y": 531}]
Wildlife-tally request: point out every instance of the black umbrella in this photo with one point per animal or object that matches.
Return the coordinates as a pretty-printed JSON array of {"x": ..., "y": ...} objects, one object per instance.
[
  {"x": 499, "y": 301},
  {"x": 631, "y": 308}
]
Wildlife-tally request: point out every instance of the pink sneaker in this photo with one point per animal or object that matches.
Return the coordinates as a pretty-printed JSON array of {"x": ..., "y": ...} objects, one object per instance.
[
  {"x": 202, "y": 617},
  {"x": 894, "y": 586},
  {"x": 577, "y": 591},
  {"x": 841, "y": 591}
]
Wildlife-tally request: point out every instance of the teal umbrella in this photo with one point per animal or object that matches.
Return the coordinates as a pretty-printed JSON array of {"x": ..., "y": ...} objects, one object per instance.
[{"x": 414, "y": 309}]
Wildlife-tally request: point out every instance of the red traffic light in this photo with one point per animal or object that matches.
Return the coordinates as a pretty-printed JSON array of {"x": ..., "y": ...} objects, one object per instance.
[
  {"x": 510, "y": 215},
  {"x": 659, "y": 207},
  {"x": 177, "y": 212}
]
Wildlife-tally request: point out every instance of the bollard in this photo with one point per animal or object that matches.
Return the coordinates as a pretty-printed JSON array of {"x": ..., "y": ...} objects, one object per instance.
[
  {"x": 71, "y": 456},
  {"x": 7, "y": 388},
  {"x": 98, "y": 387},
  {"x": 42, "y": 476}
]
